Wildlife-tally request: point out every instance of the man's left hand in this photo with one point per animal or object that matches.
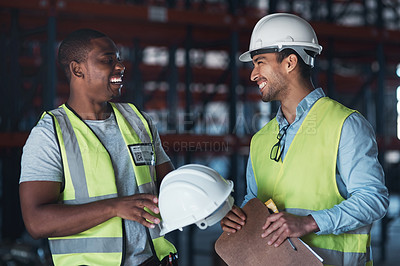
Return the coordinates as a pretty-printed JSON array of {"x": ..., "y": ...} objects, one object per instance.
[{"x": 283, "y": 225}]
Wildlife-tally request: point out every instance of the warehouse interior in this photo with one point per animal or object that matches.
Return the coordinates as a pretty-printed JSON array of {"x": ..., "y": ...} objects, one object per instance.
[{"x": 182, "y": 68}]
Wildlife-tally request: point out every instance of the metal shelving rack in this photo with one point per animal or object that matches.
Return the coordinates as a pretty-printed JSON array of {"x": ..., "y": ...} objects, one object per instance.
[{"x": 357, "y": 67}]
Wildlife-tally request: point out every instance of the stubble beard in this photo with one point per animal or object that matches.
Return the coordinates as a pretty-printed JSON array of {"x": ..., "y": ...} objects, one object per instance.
[{"x": 275, "y": 90}]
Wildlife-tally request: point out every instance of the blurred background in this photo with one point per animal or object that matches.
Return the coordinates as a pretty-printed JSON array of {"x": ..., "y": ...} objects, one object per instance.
[{"x": 182, "y": 68}]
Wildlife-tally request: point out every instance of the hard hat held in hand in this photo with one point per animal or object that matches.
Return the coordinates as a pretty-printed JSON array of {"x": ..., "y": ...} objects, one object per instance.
[
  {"x": 192, "y": 194},
  {"x": 275, "y": 32}
]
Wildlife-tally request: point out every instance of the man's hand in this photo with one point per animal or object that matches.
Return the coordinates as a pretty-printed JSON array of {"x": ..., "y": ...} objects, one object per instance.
[
  {"x": 283, "y": 225},
  {"x": 234, "y": 220},
  {"x": 132, "y": 208}
]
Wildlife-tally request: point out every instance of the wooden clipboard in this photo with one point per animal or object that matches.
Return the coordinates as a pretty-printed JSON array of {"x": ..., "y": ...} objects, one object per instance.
[{"x": 247, "y": 247}]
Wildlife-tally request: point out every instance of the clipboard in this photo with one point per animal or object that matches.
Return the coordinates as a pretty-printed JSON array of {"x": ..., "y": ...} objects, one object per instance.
[{"x": 247, "y": 247}]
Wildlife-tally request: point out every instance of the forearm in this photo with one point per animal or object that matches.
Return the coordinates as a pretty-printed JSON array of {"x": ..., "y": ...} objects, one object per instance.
[
  {"x": 45, "y": 217},
  {"x": 351, "y": 214},
  {"x": 54, "y": 220}
]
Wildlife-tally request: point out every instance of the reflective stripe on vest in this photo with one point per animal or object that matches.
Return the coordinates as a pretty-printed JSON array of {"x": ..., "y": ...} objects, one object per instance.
[
  {"x": 296, "y": 184},
  {"x": 128, "y": 117},
  {"x": 333, "y": 257},
  {"x": 84, "y": 160}
]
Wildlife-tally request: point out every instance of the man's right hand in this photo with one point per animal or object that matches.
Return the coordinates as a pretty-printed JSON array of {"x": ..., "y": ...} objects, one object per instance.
[
  {"x": 234, "y": 220},
  {"x": 132, "y": 208}
]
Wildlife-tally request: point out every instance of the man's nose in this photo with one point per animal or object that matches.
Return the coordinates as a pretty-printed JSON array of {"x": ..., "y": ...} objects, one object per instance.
[
  {"x": 120, "y": 67},
  {"x": 254, "y": 74}
]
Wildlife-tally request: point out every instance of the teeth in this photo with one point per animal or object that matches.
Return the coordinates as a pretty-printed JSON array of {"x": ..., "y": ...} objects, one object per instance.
[
  {"x": 262, "y": 85},
  {"x": 116, "y": 80}
]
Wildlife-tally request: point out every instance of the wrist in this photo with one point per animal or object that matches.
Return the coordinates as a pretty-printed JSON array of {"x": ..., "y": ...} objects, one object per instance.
[
  {"x": 111, "y": 207},
  {"x": 312, "y": 224}
]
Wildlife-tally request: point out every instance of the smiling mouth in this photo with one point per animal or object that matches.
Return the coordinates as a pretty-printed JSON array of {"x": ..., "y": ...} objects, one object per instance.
[
  {"x": 116, "y": 80},
  {"x": 262, "y": 85}
]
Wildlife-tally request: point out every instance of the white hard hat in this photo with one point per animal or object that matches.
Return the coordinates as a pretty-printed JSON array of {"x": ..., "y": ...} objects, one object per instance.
[
  {"x": 193, "y": 194},
  {"x": 275, "y": 32}
]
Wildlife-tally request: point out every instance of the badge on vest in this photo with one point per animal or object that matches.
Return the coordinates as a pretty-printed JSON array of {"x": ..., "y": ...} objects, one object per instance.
[{"x": 142, "y": 153}]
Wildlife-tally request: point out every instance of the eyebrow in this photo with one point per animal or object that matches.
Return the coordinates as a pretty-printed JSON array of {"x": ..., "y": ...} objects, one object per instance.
[
  {"x": 111, "y": 53},
  {"x": 117, "y": 54},
  {"x": 258, "y": 59}
]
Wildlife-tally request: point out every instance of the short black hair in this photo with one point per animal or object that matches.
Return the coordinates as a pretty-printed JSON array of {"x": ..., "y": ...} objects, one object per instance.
[
  {"x": 75, "y": 47},
  {"x": 305, "y": 70}
]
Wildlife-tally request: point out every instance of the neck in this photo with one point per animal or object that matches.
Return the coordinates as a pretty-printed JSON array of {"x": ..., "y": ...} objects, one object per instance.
[
  {"x": 291, "y": 101},
  {"x": 90, "y": 111}
]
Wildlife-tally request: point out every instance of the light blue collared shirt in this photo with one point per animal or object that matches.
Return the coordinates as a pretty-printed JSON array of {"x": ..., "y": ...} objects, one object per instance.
[{"x": 359, "y": 175}]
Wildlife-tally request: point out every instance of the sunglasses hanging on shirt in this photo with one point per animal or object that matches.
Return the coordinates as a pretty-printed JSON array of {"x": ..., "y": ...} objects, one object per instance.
[{"x": 277, "y": 149}]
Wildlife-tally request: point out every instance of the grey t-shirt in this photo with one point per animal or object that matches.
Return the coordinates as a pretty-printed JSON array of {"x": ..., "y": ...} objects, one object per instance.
[{"x": 41, "y": 161}]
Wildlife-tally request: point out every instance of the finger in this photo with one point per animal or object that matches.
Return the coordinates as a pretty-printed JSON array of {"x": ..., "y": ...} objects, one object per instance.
[
  {"x": 236, "y": 215},
  {"x": 280, "y": 240},
  {"x": 271, "y": 227},
  {"x": 231, "y": 222},
  {"x": 147, "y": 203},
  {"x": 143, "y": 217},
  {"x": 271, "y": 219},
  {"x": 229, "y": 226},
  {"x": 145, "y": 196},
  {"x": 228, "y": 222},
  {"x": 147, "y": 223},
  {"x": 150, "y": 218},
  {"x": 228, "y": 230},
  {"x": 238, "y": 212},
  {"x": 278, "y": 237}
]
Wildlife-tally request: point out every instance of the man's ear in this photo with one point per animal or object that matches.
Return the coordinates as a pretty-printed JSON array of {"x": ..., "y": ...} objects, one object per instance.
[
  {"x": 76, "y": 69},
  {"x": 291, "y": 62}
]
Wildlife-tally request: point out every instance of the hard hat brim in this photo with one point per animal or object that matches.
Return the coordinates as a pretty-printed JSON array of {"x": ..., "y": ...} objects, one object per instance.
[{"x": 245, "y": 57}]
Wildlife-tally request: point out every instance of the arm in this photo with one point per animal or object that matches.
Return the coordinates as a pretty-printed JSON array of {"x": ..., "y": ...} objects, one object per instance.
[
  {"x": 40, "y": 186},
  {"x": 362, "y": 177},
  {"x": 251, "y": 191},
  {"x": 44, "y": 216},
  {"x": 236, "y": 218}
]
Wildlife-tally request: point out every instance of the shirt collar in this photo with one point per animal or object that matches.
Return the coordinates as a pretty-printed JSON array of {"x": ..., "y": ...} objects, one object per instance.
[{"x": 303, "y": 106}]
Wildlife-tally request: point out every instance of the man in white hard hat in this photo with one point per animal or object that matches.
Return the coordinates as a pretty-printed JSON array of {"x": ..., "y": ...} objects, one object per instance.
[{"x": 316, "y": 159}]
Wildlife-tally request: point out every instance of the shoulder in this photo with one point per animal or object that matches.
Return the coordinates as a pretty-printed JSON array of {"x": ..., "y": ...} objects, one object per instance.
[
  {"x": 44, "y": 127},
  {"x": 40, "y": 158},
  {"x": 357, "y": 124},
  {"x": 333, "y": 106},
  {"x": 42, "y": 133}
]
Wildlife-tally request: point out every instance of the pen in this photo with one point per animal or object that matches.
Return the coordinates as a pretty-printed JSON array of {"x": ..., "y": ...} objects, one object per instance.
[{"x": 290, "y": 241}]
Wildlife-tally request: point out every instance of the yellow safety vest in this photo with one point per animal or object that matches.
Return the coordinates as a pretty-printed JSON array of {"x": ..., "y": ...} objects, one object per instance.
[
  {"x": 306, "y": 180},
  {"x": 89, "y": 177}
]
